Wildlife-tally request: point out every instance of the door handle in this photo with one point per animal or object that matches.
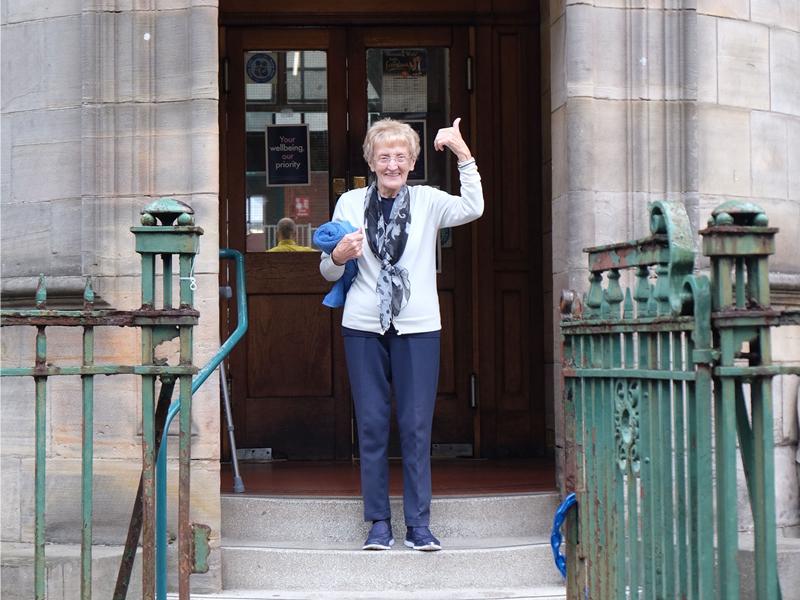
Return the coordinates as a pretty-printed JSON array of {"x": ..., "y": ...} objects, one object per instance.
[
  {"x": 339, "y": 186},
  {"x": 359, "y": 182}
]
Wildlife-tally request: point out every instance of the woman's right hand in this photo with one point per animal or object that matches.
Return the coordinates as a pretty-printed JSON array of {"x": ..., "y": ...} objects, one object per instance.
[{"x": 348, "y": 247}]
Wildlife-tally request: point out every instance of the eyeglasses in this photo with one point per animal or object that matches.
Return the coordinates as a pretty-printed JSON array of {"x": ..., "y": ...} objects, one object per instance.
[{"x": 385, "y": 159}]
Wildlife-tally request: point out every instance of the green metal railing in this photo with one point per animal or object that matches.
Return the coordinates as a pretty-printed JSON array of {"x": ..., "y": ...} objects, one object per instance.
[
  {"x": 157, "y": 325},
  {"x": 655, "y": 386}
]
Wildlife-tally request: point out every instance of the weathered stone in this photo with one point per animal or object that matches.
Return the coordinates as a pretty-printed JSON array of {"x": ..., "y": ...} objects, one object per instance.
[
  {"x": 578, "y": 51},
  {"x": 706, "y": 59},
  {"x": 43, "y": 70},
  {"x": 734, "y": 9},
  {"x": 609, "y": 147},
  {"x": 25, "y": 10},
  {"x": 793, "y": 158},
  {"x": 25, "y": 226},
  {"x": 787, "y": 246},
  {"x": 768, "y": 134},
  {"x": 743, "y": 63},
  {"x": 10, "y": 515},
  {"x": 787, "y": 486},
  {"x": 579, "y": 145},
  {"x": 45, "y": 171},
  {"x": 63, "y": 572},
  {"x": 778, "y": 13},
  {"x": 785, "y": 389},
  {"x": 114, "y": 489},
  {"x": 560, "y": 223},
  {"x": 560, "y": 167},
  {"x": 558, "y": 64},
  {"x": 785, "y": 340},
  {"x": 724, "y": 151},
  {"x": 608, "y": 52},
  {"x": 785, "y": 71},
  {"x": 788, "y": 556},
  {"x": 556, "y": 10}
]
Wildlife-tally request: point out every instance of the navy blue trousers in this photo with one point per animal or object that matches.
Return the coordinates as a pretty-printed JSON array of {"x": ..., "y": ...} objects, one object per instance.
[{"x": 410, "y": 365}]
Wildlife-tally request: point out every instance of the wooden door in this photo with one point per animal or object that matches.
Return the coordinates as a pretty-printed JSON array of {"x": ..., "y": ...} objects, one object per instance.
[{"x": 289, "y": 381}]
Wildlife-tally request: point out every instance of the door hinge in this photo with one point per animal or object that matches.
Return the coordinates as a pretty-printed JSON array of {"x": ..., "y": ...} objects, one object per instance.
[
  {"x": 469, "y": 73},
  {"x": 225, "y": 82},
  {"x": 473, "y": 390}
]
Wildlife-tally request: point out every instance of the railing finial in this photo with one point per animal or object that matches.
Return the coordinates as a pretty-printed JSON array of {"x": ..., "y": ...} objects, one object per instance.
[{"x": 41, "y": 292}]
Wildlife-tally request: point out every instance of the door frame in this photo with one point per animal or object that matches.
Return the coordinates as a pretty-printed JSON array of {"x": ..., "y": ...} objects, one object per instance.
[
  {"x": 496, "y": 28},
  {"x": 350, "y": 42}
]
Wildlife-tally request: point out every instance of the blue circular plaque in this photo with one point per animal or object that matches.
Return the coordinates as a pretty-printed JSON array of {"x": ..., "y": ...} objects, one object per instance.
[{"x": 260, "y": 68}]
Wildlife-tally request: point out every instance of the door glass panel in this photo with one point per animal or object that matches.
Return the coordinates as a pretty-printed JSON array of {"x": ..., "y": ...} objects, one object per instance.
[
  {"x": 410, "y": 84},
  {"x": 286, "y": 121}
]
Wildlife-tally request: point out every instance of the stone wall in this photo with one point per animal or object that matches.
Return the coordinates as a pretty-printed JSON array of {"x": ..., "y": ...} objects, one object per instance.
[
  {"x": 106, "y": 105},
  {"x": 695, "y": 100},
  {"x": 748, "y": 97}
]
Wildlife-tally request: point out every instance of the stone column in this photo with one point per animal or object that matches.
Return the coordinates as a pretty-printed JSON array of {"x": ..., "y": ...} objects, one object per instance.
[
  {"x": 697, "y": 100},
  {"x": 106, "y": 105},
  {"x": 748, "y": 117},
  {"x": 623, "y": 80}
]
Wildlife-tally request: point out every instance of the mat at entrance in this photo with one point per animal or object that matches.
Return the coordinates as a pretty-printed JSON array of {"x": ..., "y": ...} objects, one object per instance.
[{"x": 451, "y": 477}]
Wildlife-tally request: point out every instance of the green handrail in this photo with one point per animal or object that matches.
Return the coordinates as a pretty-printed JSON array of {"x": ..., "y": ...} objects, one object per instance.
[{"x": 174, "y": 409}]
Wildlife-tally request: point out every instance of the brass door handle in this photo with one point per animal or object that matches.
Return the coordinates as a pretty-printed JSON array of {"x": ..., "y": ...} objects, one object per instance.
[
  {"x": 339, "y": 186},
  {"x": 359, "y": 182}
]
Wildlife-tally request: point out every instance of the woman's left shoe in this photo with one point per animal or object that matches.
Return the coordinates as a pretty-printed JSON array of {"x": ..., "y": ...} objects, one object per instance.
[{"x": 421, "y": 538}]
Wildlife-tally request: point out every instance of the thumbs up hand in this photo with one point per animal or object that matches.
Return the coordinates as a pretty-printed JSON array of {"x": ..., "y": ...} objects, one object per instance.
[{"x": 450, "y": 137}]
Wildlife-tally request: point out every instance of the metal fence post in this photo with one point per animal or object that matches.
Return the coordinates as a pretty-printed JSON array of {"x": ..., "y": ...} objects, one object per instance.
[
  {"x": 739, "y": 242},
  {"x": 167, "y": 229}
]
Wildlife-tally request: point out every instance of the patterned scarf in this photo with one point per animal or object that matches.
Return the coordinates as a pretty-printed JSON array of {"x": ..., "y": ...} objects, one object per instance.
[{"x": 387, "y": 242}]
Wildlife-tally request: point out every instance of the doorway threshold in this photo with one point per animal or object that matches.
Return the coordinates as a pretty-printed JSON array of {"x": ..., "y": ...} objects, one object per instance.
[{"x": 451, "y": 477}]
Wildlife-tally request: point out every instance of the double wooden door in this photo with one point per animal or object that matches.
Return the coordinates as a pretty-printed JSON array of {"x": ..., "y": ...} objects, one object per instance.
[{"x": 297, "y": 104}]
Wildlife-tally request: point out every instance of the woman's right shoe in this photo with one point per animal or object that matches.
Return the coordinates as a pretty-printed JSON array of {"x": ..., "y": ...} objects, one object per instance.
[{"x": 380, "y": 536}]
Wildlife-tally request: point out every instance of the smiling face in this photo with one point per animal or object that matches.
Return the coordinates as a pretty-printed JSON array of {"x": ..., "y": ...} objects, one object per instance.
[{"x": 391, "y": 163}]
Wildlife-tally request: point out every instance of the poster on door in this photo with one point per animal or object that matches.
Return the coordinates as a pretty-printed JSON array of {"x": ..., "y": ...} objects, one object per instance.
[
  {"x": 405, "y": 80},
  {"x": 302, "y": 207},
  {"x": 288, "y": 155}
]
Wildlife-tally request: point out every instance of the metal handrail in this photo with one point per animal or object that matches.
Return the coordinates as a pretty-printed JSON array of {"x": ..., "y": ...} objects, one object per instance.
[{"x": 174, "y": 409}]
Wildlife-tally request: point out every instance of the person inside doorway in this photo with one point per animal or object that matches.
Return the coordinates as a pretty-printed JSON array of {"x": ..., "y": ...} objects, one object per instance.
[
  {"x": 285, "y": 233},
  {"x": 391, "y": 323}
]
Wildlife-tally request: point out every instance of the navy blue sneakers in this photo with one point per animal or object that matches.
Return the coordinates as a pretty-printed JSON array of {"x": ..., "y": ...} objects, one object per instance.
[
  {"x": 380, "y": 536},
  {"x": 421, "y": 538}
]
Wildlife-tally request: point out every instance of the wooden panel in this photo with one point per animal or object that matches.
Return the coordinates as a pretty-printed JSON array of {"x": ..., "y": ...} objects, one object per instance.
[
  {"x": 447, "y": 363},
  {"x": 289, "y": 347},
  {"x": 295, "y": 428},
  {"x": 285, "y": 38},
  {"x": 516, "y": 193},
  {"x": 284, "y": 273},
  {"x": 512, "y": 368},
  {"x": 514, "y": 353}
]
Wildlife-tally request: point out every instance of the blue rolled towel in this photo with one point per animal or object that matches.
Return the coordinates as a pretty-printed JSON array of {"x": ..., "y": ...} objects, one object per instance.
[{"x": 325, "y": 238}]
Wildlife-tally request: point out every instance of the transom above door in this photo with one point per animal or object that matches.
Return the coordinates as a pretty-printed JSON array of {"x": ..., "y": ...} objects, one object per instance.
[{"x": 299, "y": 104}]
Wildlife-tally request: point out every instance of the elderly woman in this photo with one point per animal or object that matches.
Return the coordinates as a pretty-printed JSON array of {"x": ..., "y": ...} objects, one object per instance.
[{"x": 391, "y": 323}]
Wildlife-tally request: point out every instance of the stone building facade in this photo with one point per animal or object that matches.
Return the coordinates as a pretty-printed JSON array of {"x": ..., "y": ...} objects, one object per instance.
[{"x": 108, "y": 104}]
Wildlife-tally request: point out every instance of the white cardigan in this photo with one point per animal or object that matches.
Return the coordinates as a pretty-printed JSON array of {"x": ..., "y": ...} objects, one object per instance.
[{"x": 430, "y": 209}]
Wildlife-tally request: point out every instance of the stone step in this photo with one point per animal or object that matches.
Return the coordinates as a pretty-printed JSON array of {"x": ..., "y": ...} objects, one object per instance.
[
  {"x": 334, "y": 520},
  {"x": 63, "y": 571},
  {"x": 518, "y": 562},
  {"x": 547, "y": 592}
]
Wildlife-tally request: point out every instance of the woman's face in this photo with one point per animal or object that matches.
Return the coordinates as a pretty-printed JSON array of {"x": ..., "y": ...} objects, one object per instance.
[{"x": 391, "y": 163}]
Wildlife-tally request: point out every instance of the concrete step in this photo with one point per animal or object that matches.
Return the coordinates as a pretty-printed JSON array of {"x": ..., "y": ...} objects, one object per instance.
[
  {"x": 549, "y": 592},
  {"x": 485, "y": 563},
  {"x": 340, "y": 520},
  {"x": 63, "y": 571}
]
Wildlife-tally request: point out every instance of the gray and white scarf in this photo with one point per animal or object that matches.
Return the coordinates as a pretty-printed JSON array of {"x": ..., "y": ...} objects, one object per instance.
[{"x": 387, "y": 242}]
